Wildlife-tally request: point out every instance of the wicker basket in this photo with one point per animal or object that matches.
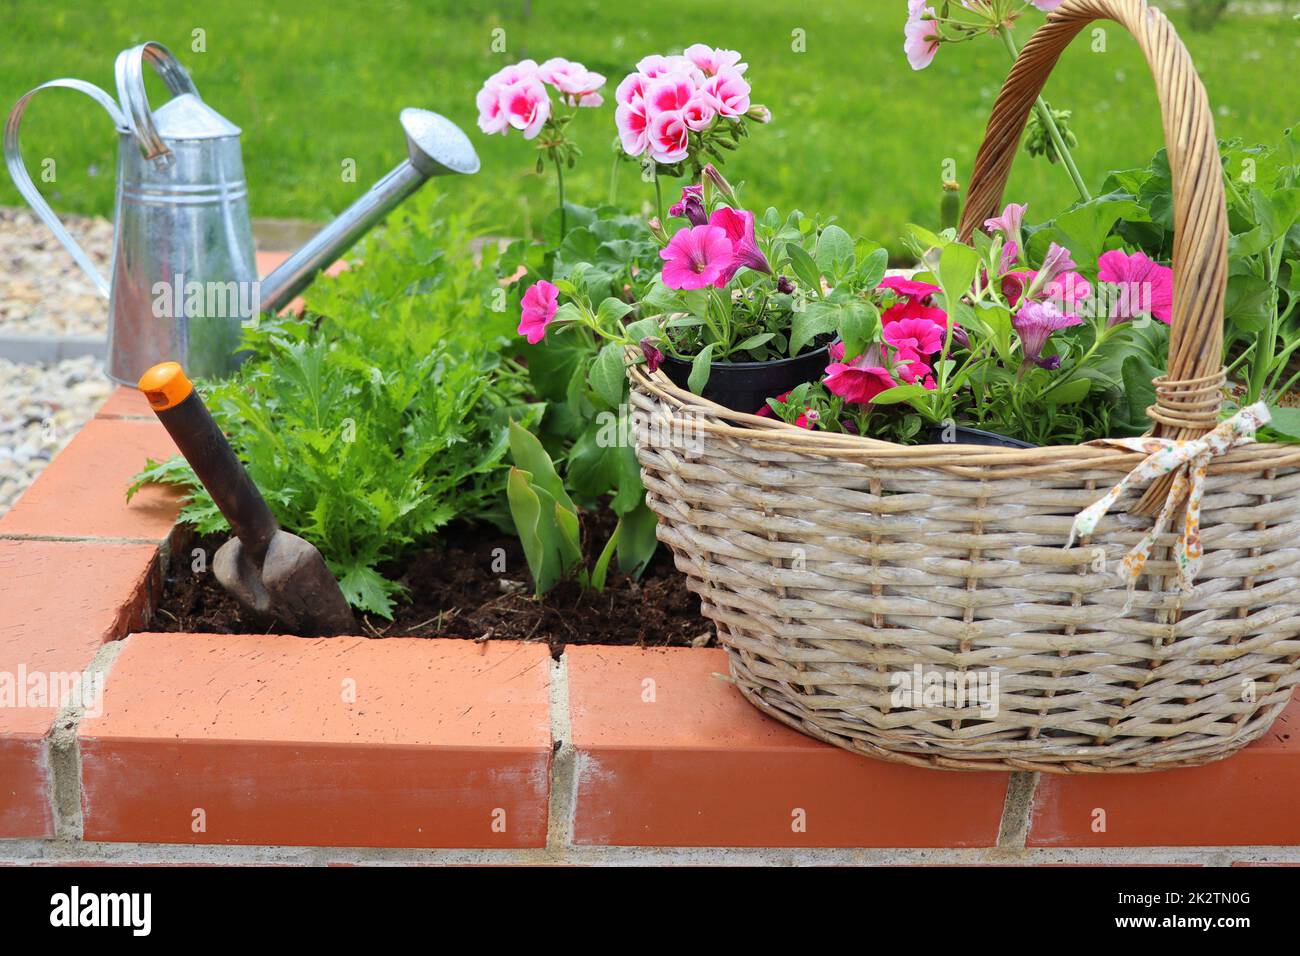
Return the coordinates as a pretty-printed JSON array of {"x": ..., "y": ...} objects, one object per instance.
[{"x": 833, "y": 564}]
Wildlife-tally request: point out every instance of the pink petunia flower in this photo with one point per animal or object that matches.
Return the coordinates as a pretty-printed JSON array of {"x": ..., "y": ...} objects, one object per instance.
[
  {"x": 712, "y": 62},
  {"x": 921, "y": 37},
  {"x": 577, "y": 83},
  {"x": 807, "y": 418},
  {"x": 917, "y": 336},
  {"x": 1008, "y": 223},
  {"x": 738, "y": 224},
  {"x": 526, "y": 105},
  {"x": 1143, "y": 286},
  {"x": 669, "y": 137},
  {"x": 728, "y": 93},
  {"x": 914, "y": 301},
  {"x": 860, "y": 380},
  {"x": 633, "y": 127},
  {"x": 539, "y": 306},
  {"x": 696, "y": 257},
  {"x": 1034, "y": 323}
]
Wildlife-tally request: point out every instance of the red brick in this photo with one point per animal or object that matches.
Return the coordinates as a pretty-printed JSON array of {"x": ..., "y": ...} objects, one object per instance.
[
  {"x": 699, "y": 766},
  {"x": 60, "y": 601},
  {"x": 82, "y": 494},
  {"x": 24, "y": 786},
  {"x": 124, "y": 402},
  {"x": 255, "y": 731},
  {"x": 1252, "y": 798}
]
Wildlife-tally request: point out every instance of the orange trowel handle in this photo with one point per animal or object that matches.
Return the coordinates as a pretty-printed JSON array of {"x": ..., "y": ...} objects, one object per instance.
[{"x": 182, "y": 412}]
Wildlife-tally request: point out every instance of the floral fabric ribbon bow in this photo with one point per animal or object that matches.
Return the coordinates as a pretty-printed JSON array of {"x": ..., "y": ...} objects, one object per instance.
[{"x": 1191, "y": 459}]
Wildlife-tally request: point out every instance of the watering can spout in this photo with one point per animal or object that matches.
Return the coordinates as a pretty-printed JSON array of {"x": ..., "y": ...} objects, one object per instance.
[{"x": 435, "y": 147}]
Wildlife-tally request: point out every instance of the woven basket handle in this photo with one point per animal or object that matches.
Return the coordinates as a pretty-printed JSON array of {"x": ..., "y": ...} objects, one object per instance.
[{"x": 1189, "y": 397}]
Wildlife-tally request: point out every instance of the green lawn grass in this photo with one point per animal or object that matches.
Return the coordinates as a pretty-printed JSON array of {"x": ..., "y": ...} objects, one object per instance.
[{"x": 855, "y": 131}]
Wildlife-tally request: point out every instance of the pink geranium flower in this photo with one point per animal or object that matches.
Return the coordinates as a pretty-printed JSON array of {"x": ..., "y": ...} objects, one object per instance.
[
  {"x": 492, "y": 116},
  {"x": 921, "y": 37},
  {"x": 696, "y": 257},
  {"x": 526, "y": 105},
  {"x": 728, "y": 93},
  {"x": 669, "y": 137},
  {"x": 738, "y": 224},
  {"x": 699, "y": 112},
  {"x": 711, "y": 62},
  {"x": 631, "y": 90},
  {"x": 633, "y": 127},
  {"x": 575, "y": 81},
  {"x": 539, "y": 306},
  {"x": 654, "y": 66},
  {"x": 669, "y": 93},
  {"x": 1143, "y": 286}
]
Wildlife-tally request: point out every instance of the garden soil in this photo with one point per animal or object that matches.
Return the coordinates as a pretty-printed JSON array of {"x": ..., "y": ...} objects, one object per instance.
[{"x": 458, "y": 589}]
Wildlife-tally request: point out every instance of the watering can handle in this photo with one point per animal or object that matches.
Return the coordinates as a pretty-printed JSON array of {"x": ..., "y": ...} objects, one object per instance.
[
  {"x": 14, "y": 160},
  {"x": 129, "y": 69}
]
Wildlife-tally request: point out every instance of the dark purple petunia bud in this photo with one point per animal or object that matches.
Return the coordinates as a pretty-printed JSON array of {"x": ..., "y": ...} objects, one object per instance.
[
  {"x": 783, "y": 284},
  {"x": 653, "y": 357}
]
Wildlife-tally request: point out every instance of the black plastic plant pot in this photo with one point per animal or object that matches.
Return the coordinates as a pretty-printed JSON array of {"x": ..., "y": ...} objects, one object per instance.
[
  {"x": 746, "y": 386},
  {"x": 973, "y": 436}
]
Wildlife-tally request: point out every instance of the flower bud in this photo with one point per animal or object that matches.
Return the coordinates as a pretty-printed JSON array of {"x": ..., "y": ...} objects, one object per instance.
[
  {"x": 719, "y": 182},
  {"x": 653, "y": 357},
  {"x": 657, "y": 230},
  {"x": 783, "y": 284},
  {"x": 759, "y": 114}
]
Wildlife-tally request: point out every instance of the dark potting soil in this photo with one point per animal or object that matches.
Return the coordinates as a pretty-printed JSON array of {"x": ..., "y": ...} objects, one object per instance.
[{"x": 457, "y": 589}]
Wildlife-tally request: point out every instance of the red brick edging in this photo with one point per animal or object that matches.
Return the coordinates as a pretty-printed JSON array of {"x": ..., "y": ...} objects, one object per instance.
[{"x": 269, "y": 740}]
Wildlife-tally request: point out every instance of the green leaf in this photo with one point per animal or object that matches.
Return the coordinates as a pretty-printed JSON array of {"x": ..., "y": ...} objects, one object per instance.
[
  {"x": 754, "y": 341},
  {"x": 958, "y": 265},
  {"x": 528, "y": 454},
  {"x": 834, "y": 254},
  {"x": 637, "y": 540},
  {"x": 1286, "y": 422},
  {"x": 700, "y": 369},
  {"x": 815, "y": 318},
  {"x": 608, "y": 377},
  {"x": 899, "y": 393},
  {"x": 1074, "y": 390},
  {"x": 805, "y": 269},
  {"x": 611, "y": 312},
  {"x": 601, "y": 568},
  {"x": 535, "y": 527},
  {"x": 871, "y": 270},
  {"x": 367, "y": 590},
  {"x": 858, "y": 325}
]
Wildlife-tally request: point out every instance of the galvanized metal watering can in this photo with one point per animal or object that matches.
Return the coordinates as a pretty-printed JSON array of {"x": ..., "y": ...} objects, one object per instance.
[{"x": 184, "y": 277}]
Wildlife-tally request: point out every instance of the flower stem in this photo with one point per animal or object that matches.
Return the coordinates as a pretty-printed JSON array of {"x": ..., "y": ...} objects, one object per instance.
[
  {"x": 659, "y": 196},
  {"x": 1049, "y": 124},
  {"x": 559, "y": 185},
  {"x": 613, "y": 181}
]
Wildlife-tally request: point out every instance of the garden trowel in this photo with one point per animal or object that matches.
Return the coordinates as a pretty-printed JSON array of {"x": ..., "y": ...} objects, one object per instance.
[{"x": 265, "y": 567}]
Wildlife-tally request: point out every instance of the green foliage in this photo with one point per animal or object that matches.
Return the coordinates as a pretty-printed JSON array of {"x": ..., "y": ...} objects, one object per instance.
[{"x": 372, "y": 428}]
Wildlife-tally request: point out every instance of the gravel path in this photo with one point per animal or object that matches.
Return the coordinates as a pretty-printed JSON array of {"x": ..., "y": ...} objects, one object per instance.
[
  {"x": 42, "y": 289},
  {"x": 44, "y": 292}
]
